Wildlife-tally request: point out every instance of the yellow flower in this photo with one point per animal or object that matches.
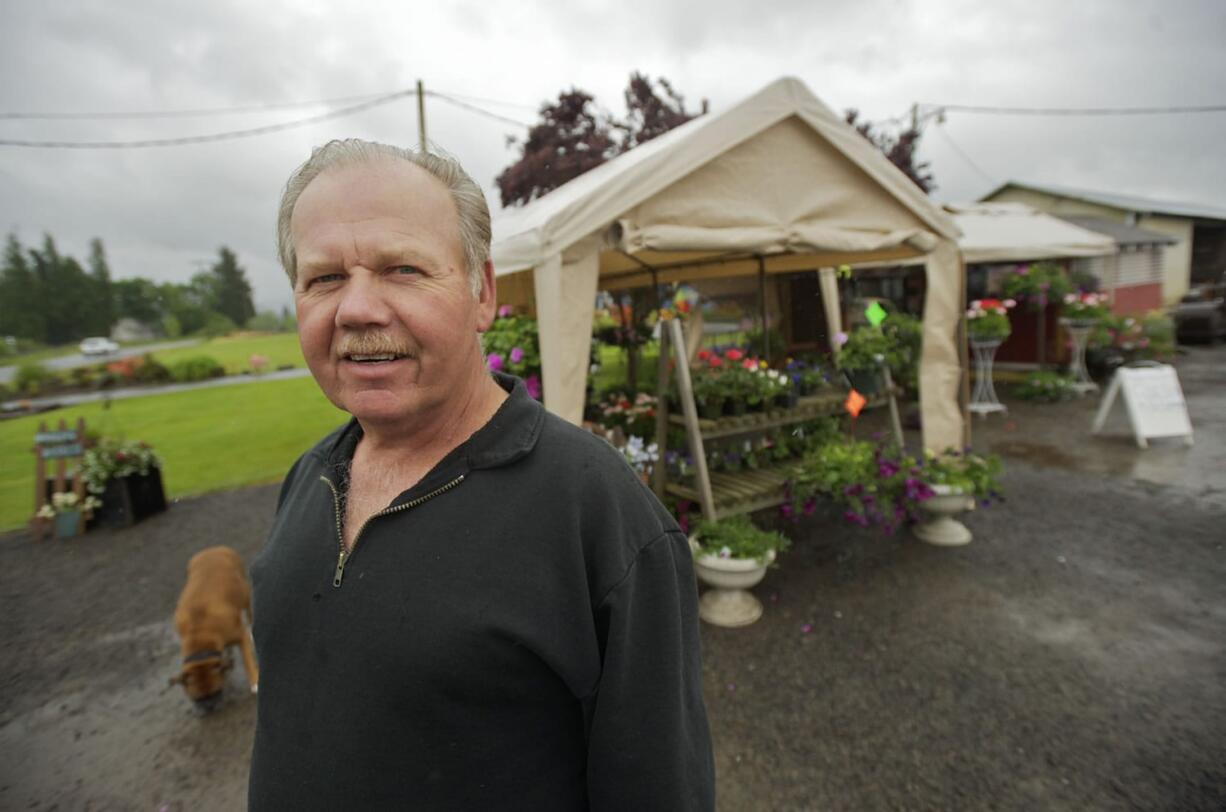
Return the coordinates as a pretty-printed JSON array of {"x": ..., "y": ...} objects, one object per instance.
[{"x": 763, "y": 364}]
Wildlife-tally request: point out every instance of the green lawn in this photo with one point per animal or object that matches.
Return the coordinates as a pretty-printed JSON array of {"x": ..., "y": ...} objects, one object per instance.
[
  {"x": 208, "y": 439},
  {"x": 234, "y": 352},
  {"x": 48, "y": 353}
]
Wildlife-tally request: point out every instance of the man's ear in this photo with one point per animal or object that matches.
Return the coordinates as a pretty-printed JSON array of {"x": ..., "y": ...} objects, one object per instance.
[{"x": 487, "y": 299}]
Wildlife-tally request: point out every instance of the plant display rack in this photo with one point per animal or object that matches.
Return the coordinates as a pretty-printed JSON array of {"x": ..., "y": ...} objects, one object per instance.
[{"x": 723, "y": 494}]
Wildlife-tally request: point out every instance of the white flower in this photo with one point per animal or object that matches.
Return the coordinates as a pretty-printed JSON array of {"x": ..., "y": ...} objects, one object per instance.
[
  {"x": 1069, "y": 298},
  {"x": 725, "y": 552},
  {"x": 1001, "y": 311},
  {"x": 1010, "y": 303}
]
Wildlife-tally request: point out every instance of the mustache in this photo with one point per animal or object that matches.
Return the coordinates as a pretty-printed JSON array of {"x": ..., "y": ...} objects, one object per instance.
[{"x": 373, "y": 343}]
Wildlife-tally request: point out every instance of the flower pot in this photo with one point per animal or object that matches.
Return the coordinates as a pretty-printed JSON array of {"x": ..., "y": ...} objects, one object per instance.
[
  {"x": 711, "y": 409},
  {"x": 728, "y": 602},
  {"x": 129, "y": 499},
  {"x": 66, "y": 524},
  {"x": 865, "y": 381},
  {"x": 942, "y": 529}
]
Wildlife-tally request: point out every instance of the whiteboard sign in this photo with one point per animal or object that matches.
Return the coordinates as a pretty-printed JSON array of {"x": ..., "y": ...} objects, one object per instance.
[{"x": 1154, "y": 401}]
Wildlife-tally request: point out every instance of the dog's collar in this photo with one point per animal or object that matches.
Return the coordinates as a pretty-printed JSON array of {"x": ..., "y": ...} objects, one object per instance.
[{"x": 205, "y": 654}]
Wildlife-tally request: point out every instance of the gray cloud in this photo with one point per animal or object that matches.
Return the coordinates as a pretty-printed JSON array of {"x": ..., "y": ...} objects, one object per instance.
[{"x": 162, "y": 210}]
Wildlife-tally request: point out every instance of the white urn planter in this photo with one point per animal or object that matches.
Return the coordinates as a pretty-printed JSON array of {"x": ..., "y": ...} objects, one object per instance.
[
  {"x": 941, "y": 528},
  {"x": 728, "y": 601}
]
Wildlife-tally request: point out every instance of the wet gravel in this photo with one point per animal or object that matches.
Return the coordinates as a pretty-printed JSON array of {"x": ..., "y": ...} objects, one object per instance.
[{"x": 1072, "y": 657}]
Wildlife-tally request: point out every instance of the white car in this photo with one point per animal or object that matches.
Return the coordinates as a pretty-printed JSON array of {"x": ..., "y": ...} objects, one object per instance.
[{"x": 98, "y": 346}]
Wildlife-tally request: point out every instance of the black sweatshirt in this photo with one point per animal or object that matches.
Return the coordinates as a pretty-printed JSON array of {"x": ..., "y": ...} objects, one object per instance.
[{"x": 521, "y": 633}]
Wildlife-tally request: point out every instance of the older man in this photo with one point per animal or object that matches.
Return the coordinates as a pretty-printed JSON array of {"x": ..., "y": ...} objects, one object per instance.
[{"x": 465, "y": 602}]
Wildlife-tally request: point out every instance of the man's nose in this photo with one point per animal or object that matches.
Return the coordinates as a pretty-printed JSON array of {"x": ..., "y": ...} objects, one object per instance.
[{"x": 362, "y": 303}]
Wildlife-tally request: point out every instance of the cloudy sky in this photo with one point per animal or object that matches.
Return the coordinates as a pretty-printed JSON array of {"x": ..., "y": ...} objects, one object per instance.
[{"x": 162, "y": 212}]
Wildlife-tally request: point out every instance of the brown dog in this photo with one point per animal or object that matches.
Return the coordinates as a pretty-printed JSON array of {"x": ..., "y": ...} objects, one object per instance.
[{"x": 209, "y": 619}]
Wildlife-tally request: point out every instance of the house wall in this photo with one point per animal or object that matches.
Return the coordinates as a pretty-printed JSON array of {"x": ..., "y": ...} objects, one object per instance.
[
  {"x": 1053, "y": 204},
  {"x": 1177, "y": 262},
  {"x": 1177, "y": 259},
  {"x": 1137, "y": 299}
]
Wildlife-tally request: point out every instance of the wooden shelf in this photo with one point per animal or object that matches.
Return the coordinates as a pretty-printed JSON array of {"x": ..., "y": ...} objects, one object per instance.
[
  {"x": 807, "y": 408},
  {"x": 740, "y": 492}
]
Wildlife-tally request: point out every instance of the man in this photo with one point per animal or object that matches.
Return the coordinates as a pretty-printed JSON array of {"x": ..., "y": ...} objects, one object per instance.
[{"x": 465, "y": 602}]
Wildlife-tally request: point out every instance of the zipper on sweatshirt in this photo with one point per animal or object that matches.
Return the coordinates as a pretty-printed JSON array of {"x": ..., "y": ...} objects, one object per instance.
[{"x": 343, "y": 555}]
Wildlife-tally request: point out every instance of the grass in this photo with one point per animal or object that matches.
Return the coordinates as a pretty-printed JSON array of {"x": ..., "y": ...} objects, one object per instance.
[
  {"x": 612, "y": 372},
  {"x": 208, "y": 439},
  {"x": 234, "y": 352}
]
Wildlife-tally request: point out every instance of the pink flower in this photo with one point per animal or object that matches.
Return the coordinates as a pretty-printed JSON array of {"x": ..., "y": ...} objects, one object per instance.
[
  {"x": 506, "y": 311},
  {"x": 533, "y": 384},
  {"x": 494, "y": 362},
  {"x": 517, "y": 355},
  {"x": 839, "y": 338}
]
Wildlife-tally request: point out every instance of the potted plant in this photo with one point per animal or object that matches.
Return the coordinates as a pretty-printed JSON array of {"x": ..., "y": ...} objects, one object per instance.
[
  {"x": 512, "y": 345},
  {"x": 1084, "y": 309},
  {"x": 958, "y": 482},
  {"x": 860, "y": 359},
  {"x": 65, "y": 510},
  {"x": 731, "y": 555},
  {"x": 1038, "y": 285},
  {"x": 709, "y": 394},
  {"x": 127, "y": 474},
  {"x": 987, "y": 320}
]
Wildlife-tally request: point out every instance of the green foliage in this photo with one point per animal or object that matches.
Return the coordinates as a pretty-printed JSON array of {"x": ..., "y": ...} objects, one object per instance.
[
  {"x": 217, "y": 325},
  {"x": 867, "y": 346},
  {"x": 907, "y": 334},
  {"x": 112, "y": 458},
  {"x": 738, "y": 537},
  {"x": 988, "y": 320},
  {"x": 197, "y": 368},
  {"x": 756, "y": 341},
  {"x": 231, "y": 291},
  {"x": 1085, "y": 306},
  {"x": 32, "y": 378},
  {"x": 512, "y": 345},
  {"x": 1037, "y": 284},
  {"x": 151, "y": 371},
  {"x": 976, "y": 475},
  {"x": 1046, "y": 387}
]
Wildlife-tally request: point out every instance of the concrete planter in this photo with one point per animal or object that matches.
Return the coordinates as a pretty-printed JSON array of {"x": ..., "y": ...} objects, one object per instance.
[
  {"x": 942, "y": 529},
  {"x": 728, "y": 602}
]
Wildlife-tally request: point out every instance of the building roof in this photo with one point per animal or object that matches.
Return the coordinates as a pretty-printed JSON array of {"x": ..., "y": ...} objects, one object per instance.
[
  {"x": 1120, "y": 232},
  {"x": 524, "y": 236},
  {"x": 1015, "y": 232},
  {"x": 1120, "y": 201}
]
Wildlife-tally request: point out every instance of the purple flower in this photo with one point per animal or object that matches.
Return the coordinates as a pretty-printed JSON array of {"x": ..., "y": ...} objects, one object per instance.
[
  {"x": 785, "y": 510},
  {"x": 505, "y": 311},
  {"x": 886, "y": 469},
  {"x": 810, "y": 506},
  {"x": 517, "y": 355},
  {"x": 494, "y": 362},
  {"x": 533, "y": 384},
  {"x": 917, "y": 491}
]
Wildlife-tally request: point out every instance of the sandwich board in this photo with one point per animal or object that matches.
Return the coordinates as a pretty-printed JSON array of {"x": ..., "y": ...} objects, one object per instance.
[{"x": 1154, "y": 400}]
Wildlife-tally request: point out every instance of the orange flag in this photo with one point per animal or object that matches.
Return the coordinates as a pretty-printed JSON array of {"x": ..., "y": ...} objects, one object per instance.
[{"x": 854, "y": 403}]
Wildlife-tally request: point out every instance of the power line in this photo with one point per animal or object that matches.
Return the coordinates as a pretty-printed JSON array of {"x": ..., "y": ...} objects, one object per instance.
[
  {"x": 957, "y": 149},
  {"x": 478, "y": 110},
  {"x": 1076, "y": 111},
  {"x": 497, "y": 102},
  {"x": 222, "y": 136},
  {"x": 204, "y": 111}
]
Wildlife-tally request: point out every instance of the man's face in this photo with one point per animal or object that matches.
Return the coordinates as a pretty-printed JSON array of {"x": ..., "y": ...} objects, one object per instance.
[{"x": 386, "y": 318}]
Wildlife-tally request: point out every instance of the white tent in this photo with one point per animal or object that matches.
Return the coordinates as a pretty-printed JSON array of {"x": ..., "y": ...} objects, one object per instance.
[
  {"x": 777, "y": 183},
  {"x": 1015, "y": 232}
]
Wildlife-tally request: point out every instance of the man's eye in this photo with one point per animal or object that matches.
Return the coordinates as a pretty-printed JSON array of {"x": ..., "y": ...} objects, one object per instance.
[
  {"x": 324, "y": 277},
  {"x": 406, "y": 270}
]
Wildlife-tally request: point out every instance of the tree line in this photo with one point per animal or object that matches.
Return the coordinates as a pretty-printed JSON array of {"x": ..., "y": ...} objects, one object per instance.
[{"x": 49, "y": 297}]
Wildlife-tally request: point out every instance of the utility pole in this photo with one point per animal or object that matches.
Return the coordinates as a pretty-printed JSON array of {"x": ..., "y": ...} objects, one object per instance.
[
  {"x": 421, "y": 118},
  {"x": 914, "y": 113}
]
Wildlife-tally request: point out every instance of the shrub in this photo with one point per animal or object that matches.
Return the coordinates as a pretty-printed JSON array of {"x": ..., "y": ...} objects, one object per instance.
[
  {"x": 151, "y": 371},
  {"x": 1047, "y": 387},
  {"x": 32, "y": 377},
  {"x": 196, "y": 368},
  {"x": 1037, "y": 284},
  {"x": 217, "y": 324},
  {"x": 737, "y": 537}
]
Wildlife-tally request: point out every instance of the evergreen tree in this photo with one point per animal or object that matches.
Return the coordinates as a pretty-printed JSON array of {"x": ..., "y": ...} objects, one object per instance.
[
  {"x": 138, "y": 299},
  {"x": 20, "y": 314},
  {"x": 102, "y": 314},
  {"x": 64, "y": 294},
  {"x": 231, "y": 291}
]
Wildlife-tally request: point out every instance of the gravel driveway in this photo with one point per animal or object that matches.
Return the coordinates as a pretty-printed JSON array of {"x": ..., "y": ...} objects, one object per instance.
[{"x": 1072, "y": 657}]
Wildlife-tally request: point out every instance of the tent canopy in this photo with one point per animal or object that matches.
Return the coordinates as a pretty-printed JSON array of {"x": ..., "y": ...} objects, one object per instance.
[
  {"x": 1012, "y": 232},
  {"x": 774, "y": 184}
]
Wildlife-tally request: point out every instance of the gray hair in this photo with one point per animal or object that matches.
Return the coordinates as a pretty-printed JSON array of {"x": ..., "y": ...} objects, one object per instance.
[{"x": 474, "y": 213}]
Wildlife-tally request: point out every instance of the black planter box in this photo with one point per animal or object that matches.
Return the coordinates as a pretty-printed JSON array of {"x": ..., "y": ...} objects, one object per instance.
[{"x": 129, "y": 499}]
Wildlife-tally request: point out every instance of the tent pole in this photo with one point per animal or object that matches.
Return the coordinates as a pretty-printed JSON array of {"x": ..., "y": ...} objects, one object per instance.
[{"x": 766, "y": 341}]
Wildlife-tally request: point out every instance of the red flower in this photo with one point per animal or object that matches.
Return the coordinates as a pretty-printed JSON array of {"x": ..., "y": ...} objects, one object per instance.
[
  {"x": 704, "y": 355},
  {"x": 989, "y": 304},
  {"x": 715, "y": 361},
  {"x": 749, "y": 363},
  {"x": 734, "y": 354}
]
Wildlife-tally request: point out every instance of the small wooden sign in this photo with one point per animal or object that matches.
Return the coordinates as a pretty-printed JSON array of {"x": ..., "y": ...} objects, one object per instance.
[
  {"x": 1154, "y": 401},
  {"x": 60, "y": 444}
]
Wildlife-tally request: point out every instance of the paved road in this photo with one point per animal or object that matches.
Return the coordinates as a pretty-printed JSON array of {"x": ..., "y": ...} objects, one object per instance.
[
  {"x": 72, "y": 361},
  {"x": 145, "y": 391}
]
